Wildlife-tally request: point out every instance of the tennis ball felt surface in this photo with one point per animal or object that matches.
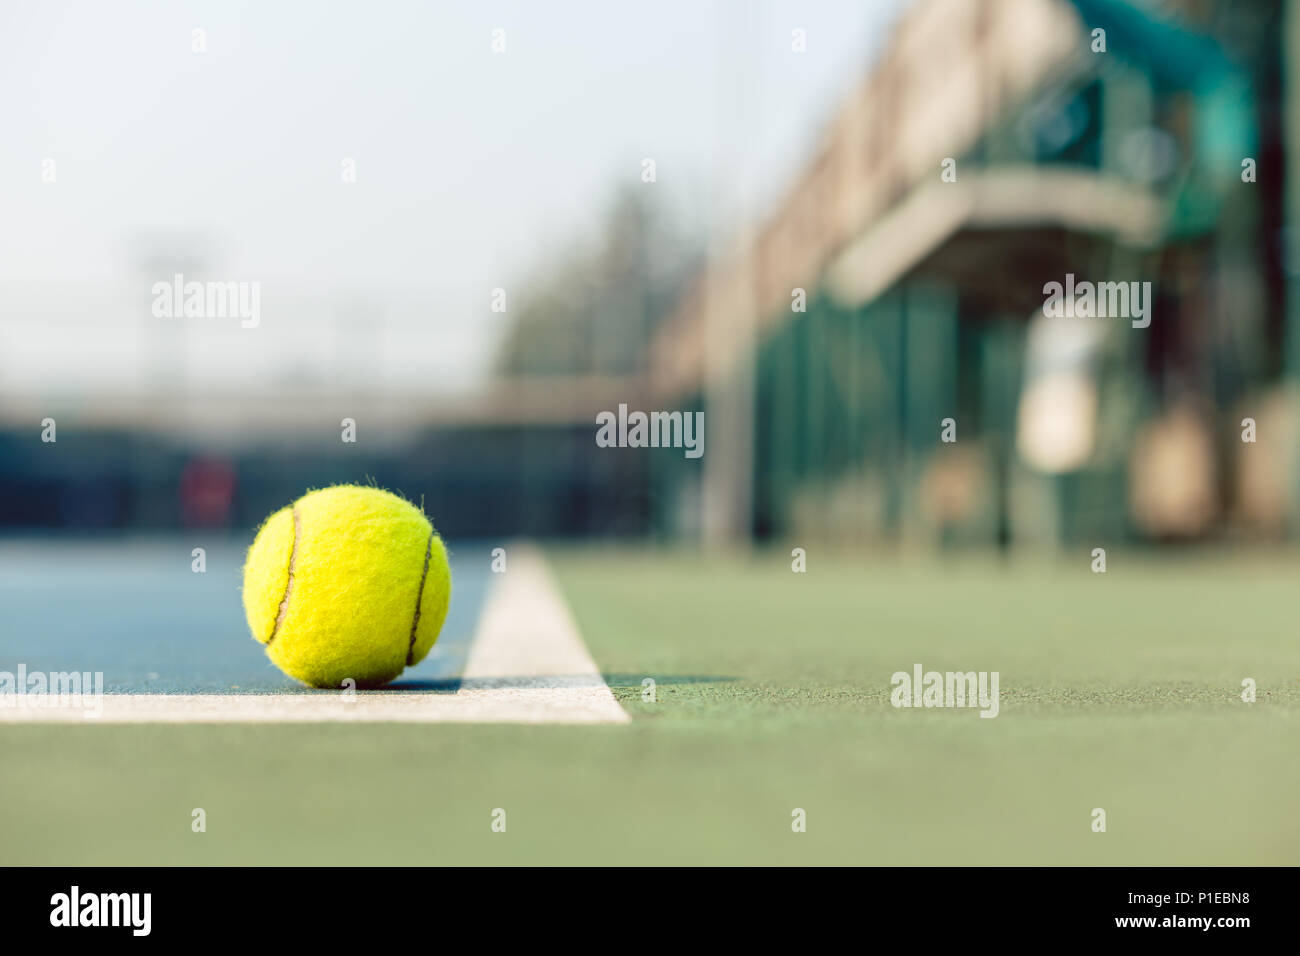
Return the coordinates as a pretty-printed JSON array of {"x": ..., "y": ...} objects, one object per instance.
[{"x": 347, "y": 582}]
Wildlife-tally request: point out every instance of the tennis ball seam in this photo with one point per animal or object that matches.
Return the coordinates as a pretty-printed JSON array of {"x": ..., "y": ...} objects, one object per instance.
[
  {"x": 339, "y": 607},
  {"x": 419, "y": 598},
  {"x": 288, "y": 588},
  {"x": 288, "y": 585}
]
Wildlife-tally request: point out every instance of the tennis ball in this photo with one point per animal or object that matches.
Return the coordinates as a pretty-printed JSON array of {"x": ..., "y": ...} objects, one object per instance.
[{"x": 347, "y": 582}]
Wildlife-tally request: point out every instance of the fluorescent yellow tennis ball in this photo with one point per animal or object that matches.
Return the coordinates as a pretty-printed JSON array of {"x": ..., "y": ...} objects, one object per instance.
[{"x": 347, "y": 582}]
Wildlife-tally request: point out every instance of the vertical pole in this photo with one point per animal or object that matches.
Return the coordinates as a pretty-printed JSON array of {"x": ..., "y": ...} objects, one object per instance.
[
  {"x": 729, "y": 339},
  {"x": 1291, "y": 346}
]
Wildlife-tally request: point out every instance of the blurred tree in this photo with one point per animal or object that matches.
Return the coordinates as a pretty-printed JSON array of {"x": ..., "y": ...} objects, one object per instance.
[{"x": 593, "y": 309}]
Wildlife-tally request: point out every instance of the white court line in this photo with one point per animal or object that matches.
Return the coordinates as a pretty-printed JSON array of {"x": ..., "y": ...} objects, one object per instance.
[{"x": 527, "y": 665}]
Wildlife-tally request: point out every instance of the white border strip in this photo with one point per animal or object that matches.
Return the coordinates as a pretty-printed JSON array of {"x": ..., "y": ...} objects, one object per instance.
[{"x": 527, "y": 665}]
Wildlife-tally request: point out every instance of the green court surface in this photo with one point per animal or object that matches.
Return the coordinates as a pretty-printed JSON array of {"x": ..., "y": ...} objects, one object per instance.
[{"x": 1119, "y": 691}]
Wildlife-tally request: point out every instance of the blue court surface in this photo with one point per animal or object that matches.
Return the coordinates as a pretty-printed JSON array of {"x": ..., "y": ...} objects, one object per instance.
[{"x": 135, "y": 611}]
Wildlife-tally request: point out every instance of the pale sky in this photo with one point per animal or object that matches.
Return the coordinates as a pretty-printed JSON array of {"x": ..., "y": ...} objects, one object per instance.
[{"x": 471, "y": 166}]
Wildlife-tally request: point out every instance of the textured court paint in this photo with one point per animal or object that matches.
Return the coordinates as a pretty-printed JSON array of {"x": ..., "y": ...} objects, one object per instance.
[
  {"x": 263, "y": 592},
  {"x": 358, "y": 561},
  {"x": 571, "y": 699}
]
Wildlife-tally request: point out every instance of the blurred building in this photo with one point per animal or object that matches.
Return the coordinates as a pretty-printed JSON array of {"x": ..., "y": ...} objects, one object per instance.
[{"x": 997, "y": 146}]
